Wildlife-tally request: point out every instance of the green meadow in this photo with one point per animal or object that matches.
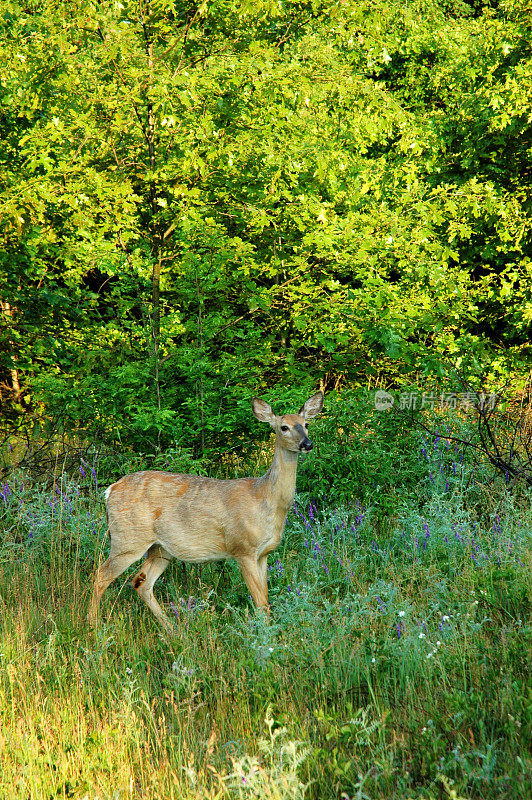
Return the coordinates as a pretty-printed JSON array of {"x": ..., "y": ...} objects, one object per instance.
[{"x": 395, "y": 663}]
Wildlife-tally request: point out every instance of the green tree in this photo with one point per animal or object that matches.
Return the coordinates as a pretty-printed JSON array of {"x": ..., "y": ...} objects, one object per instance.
[{"x": 202, "y": 201}]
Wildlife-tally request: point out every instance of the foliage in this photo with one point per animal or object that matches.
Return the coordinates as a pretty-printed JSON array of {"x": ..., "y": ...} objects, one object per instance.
[{"x": 199, "y": 201}]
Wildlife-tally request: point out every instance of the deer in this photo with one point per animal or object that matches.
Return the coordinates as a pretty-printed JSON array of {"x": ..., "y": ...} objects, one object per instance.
[{"x": 166, "y": 515}]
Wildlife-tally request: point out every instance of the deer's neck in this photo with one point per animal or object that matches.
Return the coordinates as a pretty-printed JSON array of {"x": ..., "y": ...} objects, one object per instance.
[{"x": 281, "y": 478}]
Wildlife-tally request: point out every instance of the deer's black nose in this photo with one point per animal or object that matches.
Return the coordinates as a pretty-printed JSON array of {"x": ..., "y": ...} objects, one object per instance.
[{"x": 306, "y": 446}]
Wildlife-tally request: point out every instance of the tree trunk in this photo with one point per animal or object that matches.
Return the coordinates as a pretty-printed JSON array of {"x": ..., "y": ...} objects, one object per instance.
[
  {"x": 156, "y": 239},
  {"x": 9, "y": 314}
]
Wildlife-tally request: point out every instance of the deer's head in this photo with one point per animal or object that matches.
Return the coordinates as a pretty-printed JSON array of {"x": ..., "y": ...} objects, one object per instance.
[{"x": 291, "y": 430}]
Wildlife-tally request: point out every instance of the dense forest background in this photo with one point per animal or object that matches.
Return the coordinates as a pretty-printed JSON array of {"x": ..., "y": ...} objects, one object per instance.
[{"x": 202, "y": 201}]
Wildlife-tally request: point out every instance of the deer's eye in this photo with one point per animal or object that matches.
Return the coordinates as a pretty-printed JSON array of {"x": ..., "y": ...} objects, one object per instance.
[{"x": 284, "y": 428}]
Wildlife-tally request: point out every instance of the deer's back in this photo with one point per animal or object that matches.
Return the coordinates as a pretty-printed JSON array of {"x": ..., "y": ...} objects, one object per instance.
[{"x": 193, "y": 517}]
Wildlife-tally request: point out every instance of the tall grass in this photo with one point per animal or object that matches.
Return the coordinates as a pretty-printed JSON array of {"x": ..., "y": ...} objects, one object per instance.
[{"x": 395, "y": 663}]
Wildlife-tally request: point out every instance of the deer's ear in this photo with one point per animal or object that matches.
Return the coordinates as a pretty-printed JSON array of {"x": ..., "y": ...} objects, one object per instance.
[
  {"x": 312, "y": 407},
  {"x": 262, "y": 410}
]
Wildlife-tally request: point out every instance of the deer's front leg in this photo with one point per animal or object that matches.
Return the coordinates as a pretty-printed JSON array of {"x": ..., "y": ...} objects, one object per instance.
[{"x": 254, "y": 573}]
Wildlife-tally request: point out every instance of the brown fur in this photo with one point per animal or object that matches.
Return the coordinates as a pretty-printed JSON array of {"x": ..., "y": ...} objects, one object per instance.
[
  {"x": 193, "y": 518},
  {"x": 138, "y": 580}
]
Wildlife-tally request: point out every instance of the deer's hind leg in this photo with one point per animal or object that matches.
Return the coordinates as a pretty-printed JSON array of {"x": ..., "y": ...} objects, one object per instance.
[
  {"x": 115, "y": 565},
  {"x": 156, "y": 562}
]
